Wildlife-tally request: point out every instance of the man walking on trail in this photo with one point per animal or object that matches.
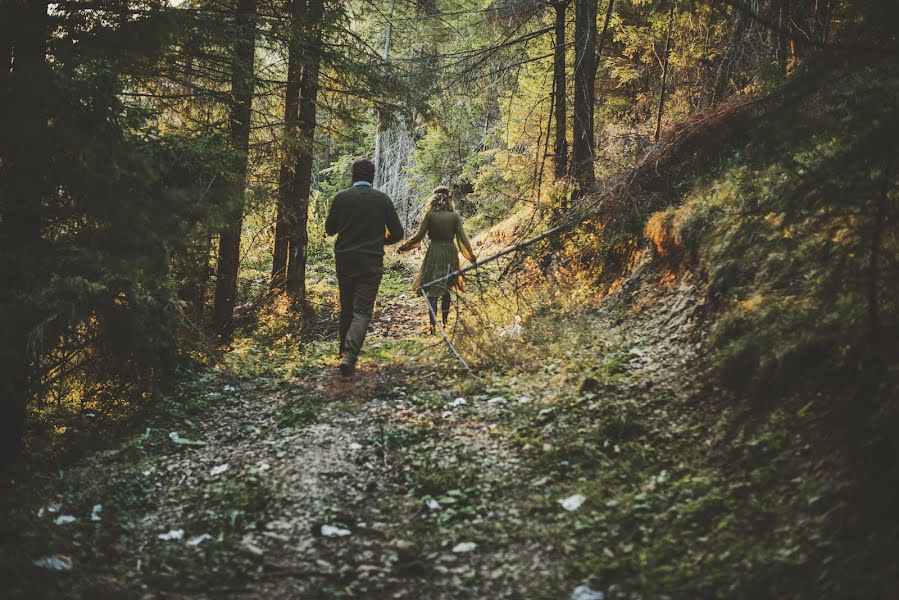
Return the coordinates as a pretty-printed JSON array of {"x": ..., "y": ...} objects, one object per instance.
[{"x": 365, "y": 221}]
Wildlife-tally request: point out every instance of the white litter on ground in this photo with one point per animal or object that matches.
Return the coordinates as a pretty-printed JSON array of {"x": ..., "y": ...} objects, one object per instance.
[
  {"x": 174, "y": 534},
  {"x": 57, "y": 562},
  {"x": 198, "y": 539},
  {"x": 573, "y": 502},
  {"x": 331, "y": 531}
]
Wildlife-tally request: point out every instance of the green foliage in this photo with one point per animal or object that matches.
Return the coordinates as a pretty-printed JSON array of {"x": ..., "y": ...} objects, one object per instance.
[
  {"x": 786, "y": 237},
  {"x": 298, "y": 415}
]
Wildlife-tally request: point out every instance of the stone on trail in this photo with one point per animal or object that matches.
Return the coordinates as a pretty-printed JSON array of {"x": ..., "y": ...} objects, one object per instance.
[
  {"x": 464, "y": 547},
  {"x": 64, "y": 519},
  {"x": 95, "y": 513},
  {"x": 253, "y": 549}
]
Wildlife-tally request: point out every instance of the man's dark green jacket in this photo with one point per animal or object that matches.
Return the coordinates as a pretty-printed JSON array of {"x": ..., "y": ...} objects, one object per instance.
[{"x": 364, "y": 220}]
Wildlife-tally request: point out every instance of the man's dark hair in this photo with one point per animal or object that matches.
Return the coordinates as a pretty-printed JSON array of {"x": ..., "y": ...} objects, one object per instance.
[{"x": 363, "y": 170}]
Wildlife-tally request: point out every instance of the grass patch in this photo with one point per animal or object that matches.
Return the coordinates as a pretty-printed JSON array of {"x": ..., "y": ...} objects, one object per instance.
[{"x": 227, "y": 512}]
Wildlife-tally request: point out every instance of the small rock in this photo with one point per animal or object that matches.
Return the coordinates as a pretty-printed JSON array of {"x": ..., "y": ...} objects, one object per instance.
[
  {"x": 253, "y": 549},
  {"x": 218, "y": 470},
  {"x": 545, "y": 415},
  {"x": 64, "y": 519},
  {"x": 464, "y": 547},
  {"x": 324, "y": 565}
]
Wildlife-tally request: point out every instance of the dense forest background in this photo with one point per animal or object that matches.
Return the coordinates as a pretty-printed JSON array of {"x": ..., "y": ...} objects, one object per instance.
[{"x": 166, "y": 167}]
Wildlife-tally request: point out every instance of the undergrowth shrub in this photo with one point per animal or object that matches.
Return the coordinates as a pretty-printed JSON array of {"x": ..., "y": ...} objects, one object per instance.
[{"x": 792, "y": 230}]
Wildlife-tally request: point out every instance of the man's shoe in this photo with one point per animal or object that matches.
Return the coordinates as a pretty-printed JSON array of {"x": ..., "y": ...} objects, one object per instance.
[{"x": 347, "y": 366}]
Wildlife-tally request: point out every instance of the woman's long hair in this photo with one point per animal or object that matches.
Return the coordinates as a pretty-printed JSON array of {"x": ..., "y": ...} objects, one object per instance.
[{"x": 441, "y": 199}]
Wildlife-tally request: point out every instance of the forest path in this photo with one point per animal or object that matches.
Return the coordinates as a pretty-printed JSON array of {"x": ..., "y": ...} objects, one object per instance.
[
  {"x": 352, "y": 487},
  {"x": 412, "y": 479}
]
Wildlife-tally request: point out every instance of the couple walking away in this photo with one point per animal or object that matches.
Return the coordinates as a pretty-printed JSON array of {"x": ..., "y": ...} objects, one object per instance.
[{"x": 365, "y": 221}]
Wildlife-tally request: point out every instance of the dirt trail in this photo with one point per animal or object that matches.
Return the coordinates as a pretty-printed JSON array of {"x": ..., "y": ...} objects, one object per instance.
[
  {"x": 341, "y": 520},
  {"x": 408, "y": 480}
]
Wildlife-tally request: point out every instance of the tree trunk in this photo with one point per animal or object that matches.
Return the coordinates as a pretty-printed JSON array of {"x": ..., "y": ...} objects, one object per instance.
[
  {"x": 584, "y": 94},
  {"x": 560, "y": 88},
  {"x": 24, "y": 93},
  {"x": 602, "y": 34},
  {"x": 7, "y": 17},
  {"x": 286, "y": 193},
  {"x": 781, "y": 38},
  {"x": 876, "y": 237},
  {"x": 664, "y": 73},
  {"x": 731, "y": 57},
  {"x": 241, "y": 104},
  {"x": 378, "y": 124},
  {"x": 299, "y": 235}
]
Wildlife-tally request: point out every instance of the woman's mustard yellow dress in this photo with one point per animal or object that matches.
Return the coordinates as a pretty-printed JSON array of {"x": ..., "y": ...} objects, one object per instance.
[{"x": 444, "y": 229}]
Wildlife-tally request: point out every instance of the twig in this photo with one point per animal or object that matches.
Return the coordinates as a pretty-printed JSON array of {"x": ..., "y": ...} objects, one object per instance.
[
  {"x": 500, "y": 254},
  {"x": 433, "y": 314}
]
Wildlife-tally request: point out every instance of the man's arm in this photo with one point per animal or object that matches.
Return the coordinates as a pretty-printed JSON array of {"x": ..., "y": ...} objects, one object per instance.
[
  {"x": 394, "y": 227},
  {"x": 331, "y": 221}
]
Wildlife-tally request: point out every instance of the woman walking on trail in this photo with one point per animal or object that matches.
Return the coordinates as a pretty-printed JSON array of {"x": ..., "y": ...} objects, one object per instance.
[{"x": 443, "y": 226}]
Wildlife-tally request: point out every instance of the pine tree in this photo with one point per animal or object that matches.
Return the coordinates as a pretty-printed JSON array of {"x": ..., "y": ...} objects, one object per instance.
[
  {"x": 584, "y": 94},
  {"x": 309, "y": 86},
  {"x": 242, "y": 82}
]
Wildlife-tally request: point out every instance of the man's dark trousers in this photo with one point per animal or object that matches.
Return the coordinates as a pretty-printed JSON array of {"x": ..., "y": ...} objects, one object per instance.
[{"x": 358, "y": 285}]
